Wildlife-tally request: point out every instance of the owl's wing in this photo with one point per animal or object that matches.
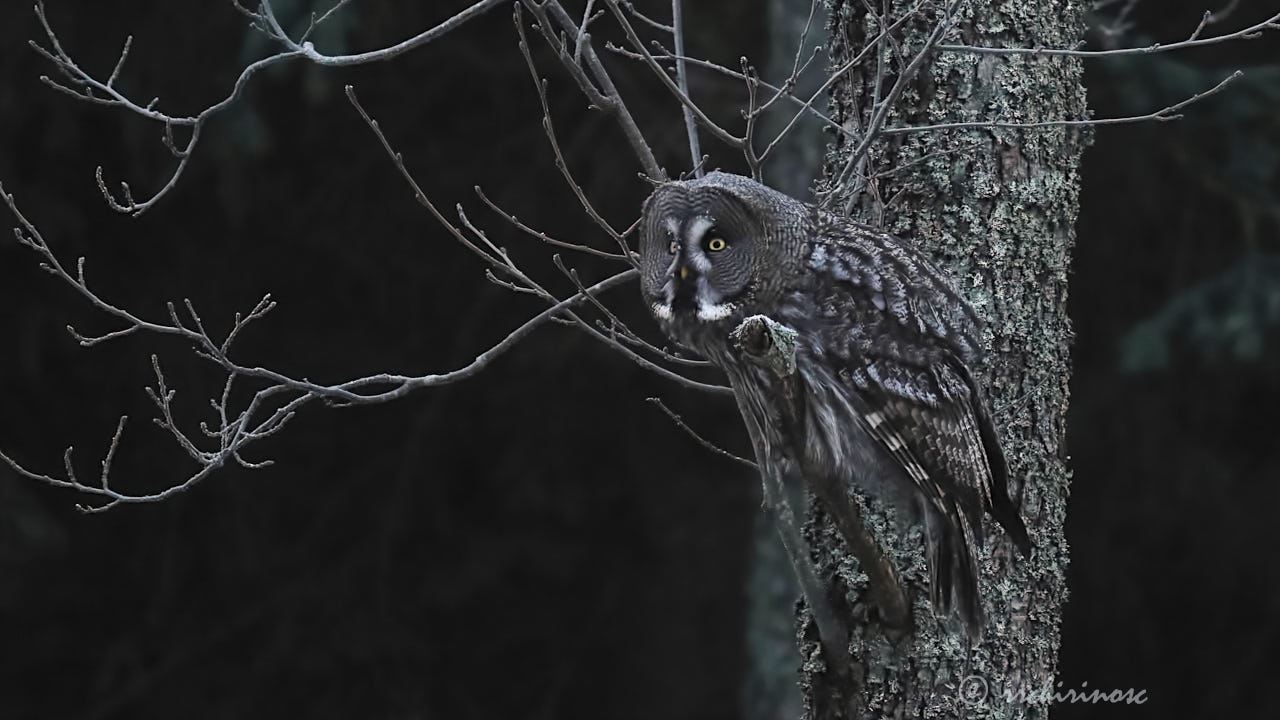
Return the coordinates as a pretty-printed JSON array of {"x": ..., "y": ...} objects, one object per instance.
[
  {"x": 933, "y": 421},
  {"x": 932, "y": 437},
  {"x": 905, "y": 339}
]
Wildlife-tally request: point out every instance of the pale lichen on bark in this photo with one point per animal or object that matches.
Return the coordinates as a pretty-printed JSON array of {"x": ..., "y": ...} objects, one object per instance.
[{"x": 996, "y": 209}]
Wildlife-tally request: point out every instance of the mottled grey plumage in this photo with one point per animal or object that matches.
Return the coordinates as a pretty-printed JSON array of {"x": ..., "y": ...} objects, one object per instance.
[{"x": 881, "y": 393}]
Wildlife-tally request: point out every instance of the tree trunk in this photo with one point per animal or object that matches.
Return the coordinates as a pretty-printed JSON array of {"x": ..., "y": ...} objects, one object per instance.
[{"x": 995, "y": 208}]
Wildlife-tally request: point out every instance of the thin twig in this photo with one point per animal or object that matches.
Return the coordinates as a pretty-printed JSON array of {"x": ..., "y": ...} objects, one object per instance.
[
  {"x": 872, "y": 131},
  {"x": 105, "y": 93},
  {"x": 682, "y": 80},
  {"x": 548, "y": 128},
  {"x": 627, "y": 334},
  {"x": 776, "y": 92},
  {"x": 317, "y": 22},
  {"x": 1164, "y": 114},
  {"x": 680, "y": 423},
  {"x": 1248, "y": 33},
  {"x": 582, "y": 32},
  {"x": 631, "y": 8},
  {"x": 723, "y": 135},
  {"x": 834, "y": 77},
  {"x": 606, "y": 96},
  {"x": 307, "y": 50},
  {"x": 751, "y": 114},
  {"x": 547, "y": 238}
]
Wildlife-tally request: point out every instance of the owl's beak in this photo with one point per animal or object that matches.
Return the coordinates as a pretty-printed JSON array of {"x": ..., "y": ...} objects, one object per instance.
[{"x": 684, "y": 273}]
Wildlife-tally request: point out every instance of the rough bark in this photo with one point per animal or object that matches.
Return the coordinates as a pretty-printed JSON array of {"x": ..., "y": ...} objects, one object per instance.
[{"x": 996, "y": 209}]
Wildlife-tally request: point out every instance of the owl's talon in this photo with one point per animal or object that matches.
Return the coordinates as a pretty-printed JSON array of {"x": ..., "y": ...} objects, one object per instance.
[{"x": 768, "y": 343}]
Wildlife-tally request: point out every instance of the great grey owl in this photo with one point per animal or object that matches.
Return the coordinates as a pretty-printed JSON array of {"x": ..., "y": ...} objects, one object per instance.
[{"x": 881, "y": 394}]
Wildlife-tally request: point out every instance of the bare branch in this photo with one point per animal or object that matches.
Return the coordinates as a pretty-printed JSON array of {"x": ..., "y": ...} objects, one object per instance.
[
  {"x": 91, "y": 341},
  {"x": 721, "y": 390},
  {"x": 751, "y": 114},
  {"x": 680, "y": 423},
  {"x": 587, "y": 17},
  {"x": 796, "y": 68},
  {"x": 631, "y": 8},
  {"x": 606, "y": 98},
  {"x": 616, "y": 325},
  {"x": 723, "y": 135},
  {"x": 548, "y": 129},
  {"x": 235, "y": 433},
  {"x": 256, "y": 421},
  {"x": 489, "y": 257},
  {"x": 307, "y": 50},
  {"x": 881, "y": 113},
  {"x": 316, "y": 22},
  {"x": 105, "y": 93},
  {"x": 834, "y": 77},
  {"x": 682, "y": 80},
  {"x": 776, "y": 92},
  {"x": 162, "y": 397},
  {"x": 1164, "y": 114},
  {"x": 124, "y": 54},
  {"x": 1193, "y": 41},
  {"x": 546, "y": 238}
]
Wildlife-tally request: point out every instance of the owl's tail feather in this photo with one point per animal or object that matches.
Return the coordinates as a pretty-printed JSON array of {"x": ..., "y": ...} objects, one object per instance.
[
  {"x": 999, "y": 503},
  {"x": 953, "y": 572},
  {"x": 1006, "y": 513}
]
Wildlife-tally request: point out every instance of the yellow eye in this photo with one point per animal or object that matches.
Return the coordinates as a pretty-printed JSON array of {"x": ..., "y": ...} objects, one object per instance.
[{"x": 716, "y": 244}]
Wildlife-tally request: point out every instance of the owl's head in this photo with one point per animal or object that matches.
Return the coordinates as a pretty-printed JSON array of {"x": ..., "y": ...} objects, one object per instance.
[{"x": 712, "y": 249}]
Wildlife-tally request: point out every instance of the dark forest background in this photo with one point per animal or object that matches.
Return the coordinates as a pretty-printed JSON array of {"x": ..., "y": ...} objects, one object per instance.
[{"x": 540, "y": 541}]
